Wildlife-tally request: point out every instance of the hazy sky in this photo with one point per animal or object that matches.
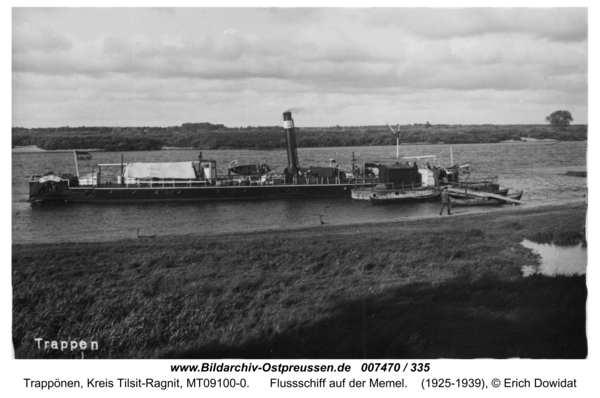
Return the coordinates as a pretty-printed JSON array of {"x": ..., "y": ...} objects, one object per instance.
[{"x": 240, "y": 67}]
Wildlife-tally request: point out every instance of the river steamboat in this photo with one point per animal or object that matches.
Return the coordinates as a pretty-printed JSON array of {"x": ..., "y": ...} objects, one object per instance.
[{"x": 194, "y": 180}]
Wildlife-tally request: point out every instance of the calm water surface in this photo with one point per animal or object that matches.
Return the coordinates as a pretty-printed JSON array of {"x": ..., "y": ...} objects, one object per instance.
[
  {"x": 557, "y": 260},
  {"x": 538, "y": 169}
]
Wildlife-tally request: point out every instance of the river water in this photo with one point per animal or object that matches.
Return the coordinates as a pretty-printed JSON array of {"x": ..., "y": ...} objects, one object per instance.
[
  {"x": 536, "y": 168},
  {"x": 557, "y": 259}
]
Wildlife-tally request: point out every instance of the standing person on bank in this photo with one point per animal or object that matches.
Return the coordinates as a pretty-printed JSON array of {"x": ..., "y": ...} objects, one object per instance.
[{"x": 446, "y": 201}]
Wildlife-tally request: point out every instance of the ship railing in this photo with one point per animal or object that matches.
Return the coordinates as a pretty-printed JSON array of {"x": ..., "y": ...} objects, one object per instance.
[
  {"x": 366, "y": 180},
  {"x": 164, "y": 183},
  {"x": 235, "y": 180},
  {"x": 315, "y": 180},
  {"x": 278, "y": 180},
  {"x": 95, "y": 181}
]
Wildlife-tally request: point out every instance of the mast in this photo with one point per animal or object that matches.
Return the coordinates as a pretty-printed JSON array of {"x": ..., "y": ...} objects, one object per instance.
[
  {"x": 397, "y": 134},
  {"x": 76, "y": 167}
]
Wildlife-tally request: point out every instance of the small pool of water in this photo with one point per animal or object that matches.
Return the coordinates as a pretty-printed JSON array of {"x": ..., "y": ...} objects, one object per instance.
[{"x": 557, "y": 260}]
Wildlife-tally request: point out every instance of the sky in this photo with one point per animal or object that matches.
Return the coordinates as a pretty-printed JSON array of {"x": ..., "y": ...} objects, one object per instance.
[{"x": 329, "y": 66}]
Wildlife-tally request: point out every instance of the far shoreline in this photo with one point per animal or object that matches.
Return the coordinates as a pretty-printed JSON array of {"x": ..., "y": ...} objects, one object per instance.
[{"x": 35, "y": 149}]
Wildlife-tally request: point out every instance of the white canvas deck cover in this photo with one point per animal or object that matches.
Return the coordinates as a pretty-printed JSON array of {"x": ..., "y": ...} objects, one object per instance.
[{"x": 176, "y": 170}]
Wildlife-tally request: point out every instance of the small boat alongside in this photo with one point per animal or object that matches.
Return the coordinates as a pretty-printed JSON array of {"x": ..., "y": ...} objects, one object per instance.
[
  {"x": 461, "y": 192},
  {"x": 249, "y": 169},
  {"x": 529, "y": 139},
  {"x": 489, "y": 185},
  {"x": 393, "y": 196},
  {"x": 475, "y": 198}
]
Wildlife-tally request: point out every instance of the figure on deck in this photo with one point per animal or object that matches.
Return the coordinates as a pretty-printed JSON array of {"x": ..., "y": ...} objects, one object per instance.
[{"x": 442, "y": 173}]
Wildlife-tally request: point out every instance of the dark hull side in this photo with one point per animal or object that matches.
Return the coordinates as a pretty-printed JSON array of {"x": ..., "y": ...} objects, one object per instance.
[{"x": 137, "y": 194}]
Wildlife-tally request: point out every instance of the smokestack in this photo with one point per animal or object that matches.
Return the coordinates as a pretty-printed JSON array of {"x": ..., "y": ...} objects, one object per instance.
[{"x": 292, "y": 149}]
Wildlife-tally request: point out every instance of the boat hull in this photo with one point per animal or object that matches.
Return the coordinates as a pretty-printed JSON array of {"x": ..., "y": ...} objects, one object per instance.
[
  {"x": 250, "y": 170},
  {"x": 479, "y": 186},
  {"x": 501, "y": 191},
  {"x": 403, "y": 196},
  {"x": 203, "y": 193},
  {"x": 362, "y": 193},
  {"x": 486, "y": 201}
]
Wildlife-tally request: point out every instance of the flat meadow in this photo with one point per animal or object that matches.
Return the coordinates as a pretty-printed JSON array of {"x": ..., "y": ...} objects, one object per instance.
[{"x": 436, "y": 287}]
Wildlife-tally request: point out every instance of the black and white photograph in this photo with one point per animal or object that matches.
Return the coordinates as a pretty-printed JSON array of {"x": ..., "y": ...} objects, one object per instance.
[{"x": 299, "y": 183}]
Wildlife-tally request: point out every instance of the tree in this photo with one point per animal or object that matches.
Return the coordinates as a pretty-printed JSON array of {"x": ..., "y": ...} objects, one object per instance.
[{"x": 560, "y": 118}]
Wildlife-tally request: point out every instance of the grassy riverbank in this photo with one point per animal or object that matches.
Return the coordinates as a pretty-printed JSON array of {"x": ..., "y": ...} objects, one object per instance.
[{"x": 439, "y": 287}]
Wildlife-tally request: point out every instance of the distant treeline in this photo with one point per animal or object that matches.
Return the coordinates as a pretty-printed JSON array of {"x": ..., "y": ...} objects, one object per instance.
[{"x": 216, "y": 136}]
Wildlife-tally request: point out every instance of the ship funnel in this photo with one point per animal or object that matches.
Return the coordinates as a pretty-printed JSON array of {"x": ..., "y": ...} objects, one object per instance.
[{"x": 292, "y": 148}]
